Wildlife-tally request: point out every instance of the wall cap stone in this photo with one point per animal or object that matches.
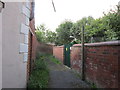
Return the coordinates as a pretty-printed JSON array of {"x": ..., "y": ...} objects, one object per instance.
[
  {"x": 58, "y": 46},
  {"x": 108, "y": 43},
  {"x": 77, "y": 45}
]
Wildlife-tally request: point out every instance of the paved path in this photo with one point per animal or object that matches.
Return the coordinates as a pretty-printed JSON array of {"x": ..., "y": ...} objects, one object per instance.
[{"x": 63, "y": 77}]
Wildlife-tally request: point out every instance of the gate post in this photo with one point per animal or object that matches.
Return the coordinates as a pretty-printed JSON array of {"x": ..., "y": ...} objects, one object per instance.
[{"x": 82, "y": 55}]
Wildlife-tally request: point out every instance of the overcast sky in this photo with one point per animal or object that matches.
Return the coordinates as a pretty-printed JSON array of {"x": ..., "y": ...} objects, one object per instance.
[{"x": 69, "y": 9}]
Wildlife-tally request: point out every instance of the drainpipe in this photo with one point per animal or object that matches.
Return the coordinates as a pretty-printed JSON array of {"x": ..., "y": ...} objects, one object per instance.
[{"x": 82, "y": 55}]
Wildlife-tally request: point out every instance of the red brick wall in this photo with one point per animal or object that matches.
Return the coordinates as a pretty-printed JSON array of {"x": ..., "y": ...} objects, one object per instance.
[
  {"x": 58, "y": 52},
  {"x": 101, "y": 62},
  {"x": 29, "y": 55},
  {"x": 34, "y": 47},
  {"x": 40, "y": 47},
  {"x": 45, "y": 48},
  {"x": 34, "y": 39},
  {"x": 102, "y": 65},
  {"x": 76, "y": 57}
]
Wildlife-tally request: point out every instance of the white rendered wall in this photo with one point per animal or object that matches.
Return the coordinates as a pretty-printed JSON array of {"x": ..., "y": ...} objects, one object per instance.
[
  {"x": 0, "y": 50},
  {"x": 14, "y": 70}
]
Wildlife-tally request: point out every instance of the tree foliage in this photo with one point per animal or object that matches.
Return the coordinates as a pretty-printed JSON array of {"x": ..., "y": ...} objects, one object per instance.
[
  {"x": 114, "y": 21},
  {"x": 106, "y": 28},
  {"x": 50, "y": 36},
  {"x": 40, "y": 33},
  {"x": 44, "y": 35},
  {"x": 63, "y": 33}
]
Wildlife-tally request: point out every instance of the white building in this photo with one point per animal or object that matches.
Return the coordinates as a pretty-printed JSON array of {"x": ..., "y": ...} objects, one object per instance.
[{"x": 14, "y": 34}]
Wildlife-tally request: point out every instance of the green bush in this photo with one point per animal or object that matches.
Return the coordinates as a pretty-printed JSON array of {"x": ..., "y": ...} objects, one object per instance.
[
  {"x": 54, "y": 60},
  {"x": 40, "y": 65},
  {"x": 39, "y": 79},
  {"x": 40, "y": 55},
  {"x": 40, "y": 74}
]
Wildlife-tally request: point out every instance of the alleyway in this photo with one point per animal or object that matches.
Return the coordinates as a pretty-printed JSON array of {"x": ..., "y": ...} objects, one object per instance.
[{"x": 63, "y": 77}]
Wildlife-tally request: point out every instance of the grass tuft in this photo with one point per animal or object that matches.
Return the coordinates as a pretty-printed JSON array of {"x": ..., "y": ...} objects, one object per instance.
[
  {"x": 40, "y": 75},
  {"x": 53, "y": 59}
]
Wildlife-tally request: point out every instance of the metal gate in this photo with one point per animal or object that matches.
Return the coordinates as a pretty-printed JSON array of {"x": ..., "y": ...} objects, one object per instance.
[{"x": 67, "y": 54}]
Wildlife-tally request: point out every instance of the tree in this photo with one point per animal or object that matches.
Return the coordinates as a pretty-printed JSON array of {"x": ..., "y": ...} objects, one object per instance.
[
  {"x": 106, "y": 28},
  {"x": 63, "y": 33},
  {"x": 40, "y": 33},
  {"x": 50, "y": 36},
  {"x": 44, "y": 35},
  {"x": 96, "y": 30},
  {"x": 114, "y": 21},
  {"x": 77, "y": 27}
]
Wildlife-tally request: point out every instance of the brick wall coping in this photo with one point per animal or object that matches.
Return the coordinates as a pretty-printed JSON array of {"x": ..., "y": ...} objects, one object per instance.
[
  {"x": 77, "y": 45},
  {"x": 59, "y": 46},
  {"x": 108, "y": 43}
]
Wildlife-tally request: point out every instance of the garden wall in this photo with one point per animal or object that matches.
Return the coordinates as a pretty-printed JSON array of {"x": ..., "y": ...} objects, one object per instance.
[
  {"x": 75, "y": 57},
  {"x": 34, "y": 48},
  {"x": 101, "y": 62},
  {"x": 58, "y": 52},
  {"x": 45, "y": 48},
  {"x": 35, "y": 44},
  {"x": 40, "y": 47}
]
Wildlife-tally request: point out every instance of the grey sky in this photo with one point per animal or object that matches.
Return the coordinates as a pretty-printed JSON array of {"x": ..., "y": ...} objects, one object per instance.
[{"x": 70, "y": 9}]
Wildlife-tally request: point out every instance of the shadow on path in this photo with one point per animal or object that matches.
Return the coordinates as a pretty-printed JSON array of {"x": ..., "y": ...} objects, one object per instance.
[{"x": 63, "y": 77}]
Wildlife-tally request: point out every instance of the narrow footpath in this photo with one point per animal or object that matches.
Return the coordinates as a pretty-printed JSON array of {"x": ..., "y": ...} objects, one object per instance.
[{"x": 63, "y": 77}]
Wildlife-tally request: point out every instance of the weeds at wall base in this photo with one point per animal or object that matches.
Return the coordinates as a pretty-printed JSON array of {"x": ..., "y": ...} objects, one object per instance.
[
  {"x": 53, "y": 59},
  {"x": 40, "y": 75}
]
